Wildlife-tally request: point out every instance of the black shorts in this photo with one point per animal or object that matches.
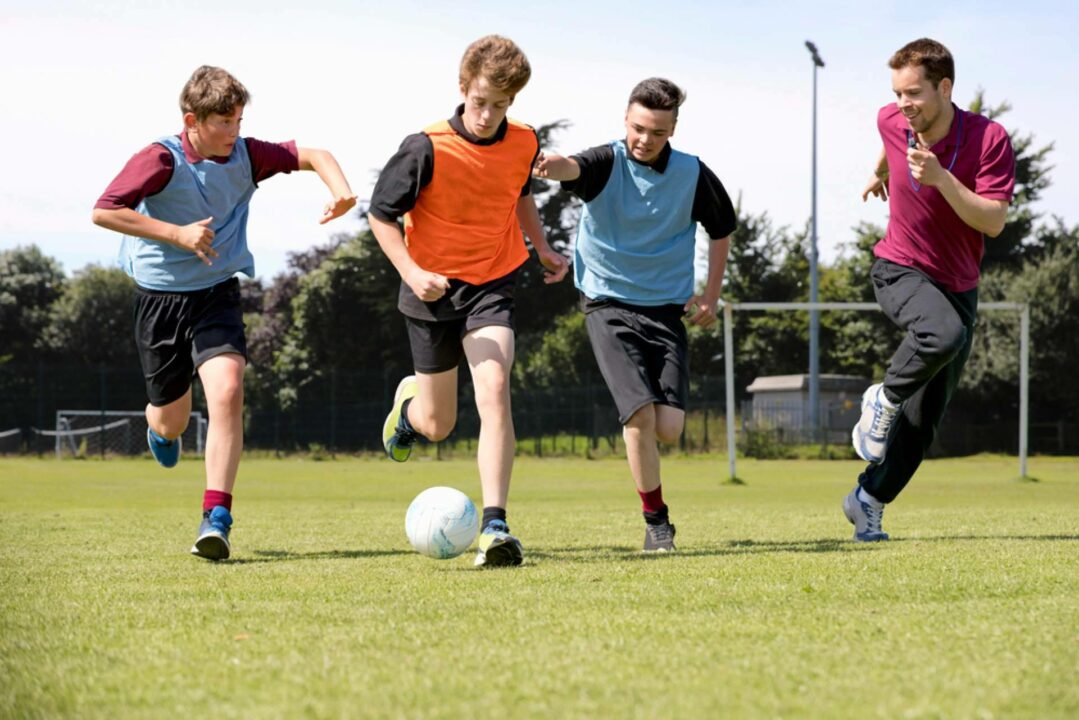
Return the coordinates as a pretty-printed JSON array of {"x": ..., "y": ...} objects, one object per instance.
[
  {"x": 436, "y": 332},
  {"x": 642, "y": 353},
  {"x": 176, "y": 332}
]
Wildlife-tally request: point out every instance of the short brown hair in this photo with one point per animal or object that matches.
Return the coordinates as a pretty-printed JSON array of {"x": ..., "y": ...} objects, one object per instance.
[
  {"x": 926, "y": 53},
  {"x": 500, "y": 61},
  {"x": 658, "y": 94},
  {"x": 212, "y": 90}
]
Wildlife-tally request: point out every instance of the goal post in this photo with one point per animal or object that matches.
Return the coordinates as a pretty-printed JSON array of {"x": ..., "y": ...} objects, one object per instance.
[
  {"x": 728, "y": 359},
  {"x": 113, "y": 432}
]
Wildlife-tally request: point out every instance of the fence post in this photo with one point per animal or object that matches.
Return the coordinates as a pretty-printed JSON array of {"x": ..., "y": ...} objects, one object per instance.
[{"x": 104, "y": 402}]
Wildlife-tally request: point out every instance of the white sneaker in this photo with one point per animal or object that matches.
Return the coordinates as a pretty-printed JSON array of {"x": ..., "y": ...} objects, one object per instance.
[
  {"x": 864, "y": 516},
  {"x": 873, "y": 431}
]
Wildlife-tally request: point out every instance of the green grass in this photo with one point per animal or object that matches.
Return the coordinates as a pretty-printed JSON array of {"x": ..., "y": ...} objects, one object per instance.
[{"x": 766, "y": 610}]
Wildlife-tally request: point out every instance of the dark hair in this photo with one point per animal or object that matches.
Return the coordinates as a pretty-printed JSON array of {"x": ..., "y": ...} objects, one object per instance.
[
  {"x": 658, "y": 94},
  {"x": 212, "y": 90},
  {"x": 500, "y": 61},
  {"x": 929, "y": 54}
]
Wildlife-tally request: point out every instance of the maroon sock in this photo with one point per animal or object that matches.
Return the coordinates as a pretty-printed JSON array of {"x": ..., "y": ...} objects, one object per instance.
[
  {"x": 652, "y": 501},
  {"x": 213, "y": 498}
]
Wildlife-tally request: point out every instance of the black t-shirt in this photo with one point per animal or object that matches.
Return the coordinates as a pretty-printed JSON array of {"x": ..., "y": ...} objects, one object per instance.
[
  {"x": 411, "y": 168},
  {"x": 712, "y": 207}
]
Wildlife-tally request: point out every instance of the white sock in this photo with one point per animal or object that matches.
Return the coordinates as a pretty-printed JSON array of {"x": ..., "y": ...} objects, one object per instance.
[{"x": 868, "y": 499}]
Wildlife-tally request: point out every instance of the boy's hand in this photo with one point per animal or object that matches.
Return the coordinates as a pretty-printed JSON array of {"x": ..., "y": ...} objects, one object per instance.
[
  {"x": 555, "y": 167},
  {"x": 701, "y": 311},
  {"x": 337, "y": 207},
  {"x": 555, "y": 263},
  {"x": 198, "y": 238},
  {"x": 427, "y": 286}
]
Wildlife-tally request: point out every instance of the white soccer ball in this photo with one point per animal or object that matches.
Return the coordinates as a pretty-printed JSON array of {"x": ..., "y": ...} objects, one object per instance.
[{"x": 441, "y": 523}]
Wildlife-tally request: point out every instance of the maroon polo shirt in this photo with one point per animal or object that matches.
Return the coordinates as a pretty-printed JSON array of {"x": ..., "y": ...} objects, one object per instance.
[
  {"x": 150, "y": 169},
  {"x": 924, "y": 232}
]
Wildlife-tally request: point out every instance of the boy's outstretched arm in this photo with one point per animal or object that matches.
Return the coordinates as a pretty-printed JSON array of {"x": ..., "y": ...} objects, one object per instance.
[
  {"x": 556, "y": 167},
  {"x": 553, "y": 262},
  {"x": 322, "y": 162}
]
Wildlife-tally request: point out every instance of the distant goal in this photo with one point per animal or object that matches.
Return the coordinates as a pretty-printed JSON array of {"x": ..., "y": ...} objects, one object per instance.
[{"x": 111, "y": 433}]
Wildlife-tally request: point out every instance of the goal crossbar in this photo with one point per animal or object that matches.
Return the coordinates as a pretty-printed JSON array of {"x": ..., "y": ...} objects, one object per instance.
[{"x": 728, "y": 358}]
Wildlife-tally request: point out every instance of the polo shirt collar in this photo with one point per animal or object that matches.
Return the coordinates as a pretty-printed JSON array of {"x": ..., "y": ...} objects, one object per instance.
[
  {"x": 948, "y": 141},
  {"x": 659, "y": 164},
  {"x": 192, "y": 154},
  {"x": 458, "y": 126}
]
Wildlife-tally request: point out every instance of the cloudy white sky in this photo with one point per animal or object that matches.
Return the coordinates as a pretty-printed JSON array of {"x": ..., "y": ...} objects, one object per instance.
[{"x": 85, "y": 85}]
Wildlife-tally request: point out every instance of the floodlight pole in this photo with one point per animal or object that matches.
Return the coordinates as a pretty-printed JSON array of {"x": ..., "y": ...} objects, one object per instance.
[{"x": 814, "y": 315}]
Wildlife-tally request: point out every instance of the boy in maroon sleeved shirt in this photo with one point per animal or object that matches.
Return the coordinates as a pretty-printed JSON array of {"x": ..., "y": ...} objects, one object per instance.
[
  {"x": 948, "y": 176},
  {"x": 182, "y": 205}
]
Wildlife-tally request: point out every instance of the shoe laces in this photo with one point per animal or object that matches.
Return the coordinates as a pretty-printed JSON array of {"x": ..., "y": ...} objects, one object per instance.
[
  {"x": 882, "y": 419},
  {"x": 660, "y": 533},
  {"x": 874, "y": 517},
  {"x": 403, "y": 437}
]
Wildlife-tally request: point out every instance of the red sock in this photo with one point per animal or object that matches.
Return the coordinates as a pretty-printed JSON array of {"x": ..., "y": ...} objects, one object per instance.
[
  {"x": 213, "y": 498},
  {"x": 652, "y": 501}
]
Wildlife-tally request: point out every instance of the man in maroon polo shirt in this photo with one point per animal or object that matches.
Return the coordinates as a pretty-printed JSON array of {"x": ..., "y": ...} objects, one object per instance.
[{"x": 947, "y": 175}]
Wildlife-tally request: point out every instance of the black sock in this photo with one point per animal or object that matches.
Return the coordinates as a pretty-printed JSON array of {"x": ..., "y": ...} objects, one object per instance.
[
  {"x": 403, "y": 422},
  {"x": 491, "y": 514},
  {"x": 658, "y": 517}
]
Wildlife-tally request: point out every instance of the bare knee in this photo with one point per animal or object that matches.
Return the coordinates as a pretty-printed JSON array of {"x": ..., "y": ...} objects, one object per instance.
[
  {"x": 492, "y": 395},
  {"x": 642, "y": 423},
  {"x": 227, "y": 396},
  {"x": 169, "y": 421},
  {"x": 668, "y": 432}
]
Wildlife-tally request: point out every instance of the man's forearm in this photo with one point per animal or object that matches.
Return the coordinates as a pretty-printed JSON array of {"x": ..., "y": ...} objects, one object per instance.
[{"x": 983, "y": 214}]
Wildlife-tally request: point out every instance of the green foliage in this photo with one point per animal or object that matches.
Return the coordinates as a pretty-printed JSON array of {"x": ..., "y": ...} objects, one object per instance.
[
  {"x": 1051, "y": 286},
  {"x": 91, "y": 322},
  {"x": 564, "y": 357},
  {"x": 30, "y": 282}
]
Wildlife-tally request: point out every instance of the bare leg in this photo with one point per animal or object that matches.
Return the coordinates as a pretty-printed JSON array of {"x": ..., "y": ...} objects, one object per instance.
[
  {"x": 646, "y": 426},
  {"x": 433, "y": 410},
  {"x": 170, "y": 421},
  {"x": 490, "y": 357},
  {"x": 223, "y": 380}
]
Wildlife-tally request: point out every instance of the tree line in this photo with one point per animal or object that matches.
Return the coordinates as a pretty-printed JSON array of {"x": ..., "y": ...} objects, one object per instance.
[{"x": 334, "y": 310}]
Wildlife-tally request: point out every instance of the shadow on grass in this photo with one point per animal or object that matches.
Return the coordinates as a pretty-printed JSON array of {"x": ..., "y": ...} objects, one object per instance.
[
  {"x": 602, "y": 553},
  {"x": 941, "y": 538},
  {"x": 268, "y": 556}
]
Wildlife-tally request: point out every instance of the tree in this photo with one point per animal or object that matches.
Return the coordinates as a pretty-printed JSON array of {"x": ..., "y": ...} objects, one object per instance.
[
  {"x": 91, "y": 322},
  {"x": 1031, "y": 179},
  {"x": 30, "y": 282}
]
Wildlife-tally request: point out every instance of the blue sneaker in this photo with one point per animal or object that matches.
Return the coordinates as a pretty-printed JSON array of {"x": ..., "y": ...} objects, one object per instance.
[
  {"x": 497, "y": 548},
  {"x": 865, "y": 517},
  {"x": 166, "y": 452},
  {"x": 213, "y": 540},
  {"x": 873, "y": 431},
  {"x": 397, "y": 435}
]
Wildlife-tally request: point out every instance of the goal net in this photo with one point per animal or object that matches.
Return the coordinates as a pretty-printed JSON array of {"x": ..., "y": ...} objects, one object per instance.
[{"x": 88, "y": 433}]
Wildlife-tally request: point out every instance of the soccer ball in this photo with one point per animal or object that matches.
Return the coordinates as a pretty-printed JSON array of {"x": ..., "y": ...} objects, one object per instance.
[{"x": 441, "y": 523}]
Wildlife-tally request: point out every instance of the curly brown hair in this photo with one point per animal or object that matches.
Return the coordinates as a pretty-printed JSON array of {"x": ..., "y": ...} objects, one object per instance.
[
  {"x": 212, "y": 90},
  {"x": 499, "y": 60}
]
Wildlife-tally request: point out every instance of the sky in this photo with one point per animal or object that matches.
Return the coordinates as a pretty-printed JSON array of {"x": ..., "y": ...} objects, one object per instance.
[{"x": 86, "y": 85}]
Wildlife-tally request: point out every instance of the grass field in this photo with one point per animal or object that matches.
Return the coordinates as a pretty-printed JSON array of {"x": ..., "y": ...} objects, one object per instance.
[{"x": 766, "y": 610}]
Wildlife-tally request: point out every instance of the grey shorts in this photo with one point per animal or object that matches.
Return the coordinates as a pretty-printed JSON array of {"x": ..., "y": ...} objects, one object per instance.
[{"x": 642, "y": 354}]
